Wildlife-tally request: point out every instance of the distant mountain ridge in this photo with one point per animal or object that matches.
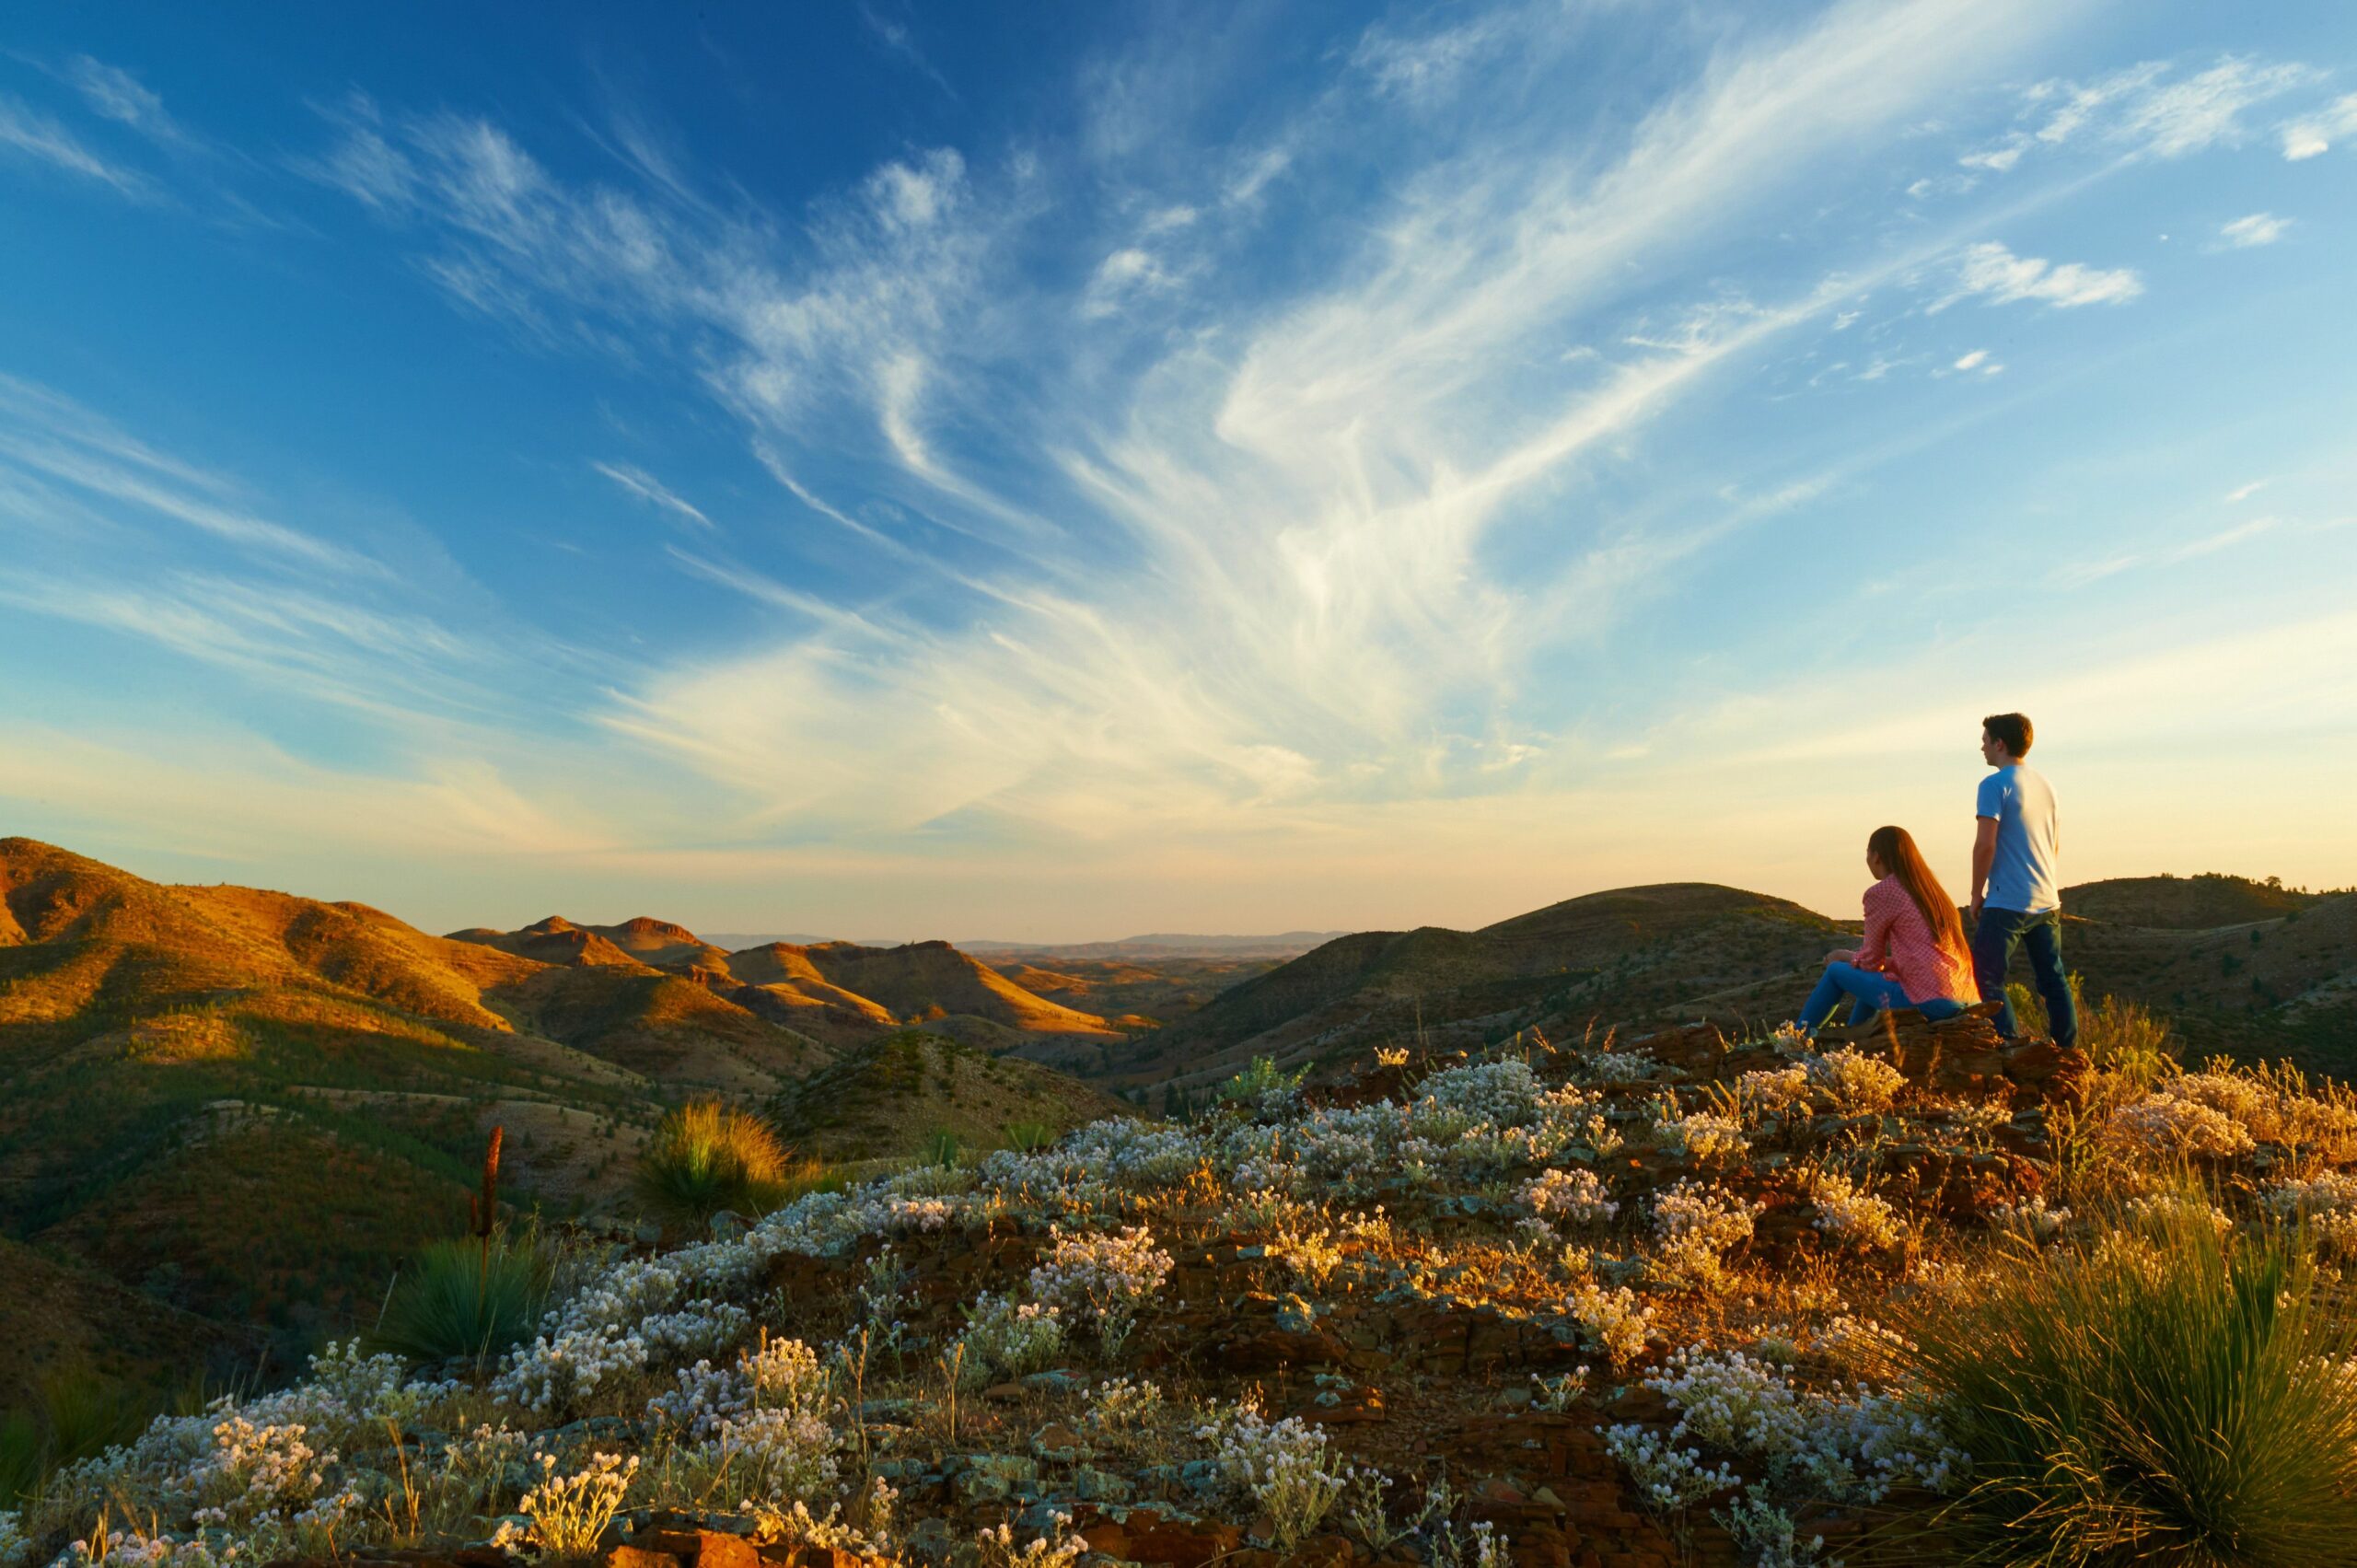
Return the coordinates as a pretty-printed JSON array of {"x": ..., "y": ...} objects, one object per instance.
[
  {"x": 839, "y": 990},
  {"x": 1164, "y": 945}
]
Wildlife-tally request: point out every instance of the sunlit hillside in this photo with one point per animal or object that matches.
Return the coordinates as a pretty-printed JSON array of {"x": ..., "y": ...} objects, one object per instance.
[{"x": 241, "y": 1112}]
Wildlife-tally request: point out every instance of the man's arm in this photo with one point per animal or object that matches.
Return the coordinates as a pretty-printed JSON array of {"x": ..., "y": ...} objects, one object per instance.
[{"x": 1984, "y": 856}]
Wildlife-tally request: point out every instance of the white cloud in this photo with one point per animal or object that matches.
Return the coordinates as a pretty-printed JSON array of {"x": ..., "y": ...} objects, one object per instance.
[
  {"x": 1991, "y": 270},
  {"x": 44, "y": 432},
  {"x": 2224, "y": 539},
  {"x": 648, "y": 488},
  {"x": 2242, "y": 492},
  {"x": 1973, "y": 360},
  {"x": 2141, "y": 107},
  {"x": 1430, "y": 68},
  {"x": 2203, "y": 110},
  {"x": 30, "y": 133},
  {"x": 2002, "y": 158},
  {"x": 2077, "y": 104},
  {"x": 1126, "y": 272},
  {"x": 2259, "y": 228},
  {"x": 2313, "y": 135}
]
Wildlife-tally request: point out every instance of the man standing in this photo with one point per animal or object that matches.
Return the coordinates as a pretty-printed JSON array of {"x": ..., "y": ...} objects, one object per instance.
[{"x": 2016, "y": 894}]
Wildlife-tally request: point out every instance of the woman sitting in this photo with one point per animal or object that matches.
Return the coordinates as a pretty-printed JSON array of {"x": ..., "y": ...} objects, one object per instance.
[{"x": 1915, "y": 954}]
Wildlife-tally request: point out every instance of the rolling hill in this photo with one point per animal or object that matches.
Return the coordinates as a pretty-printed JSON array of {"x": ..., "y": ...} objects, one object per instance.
[
  {"x": 227, "y": 1113},
  {"x": 1678, "y": 949},
  {"x": 2243, "y": 968}
]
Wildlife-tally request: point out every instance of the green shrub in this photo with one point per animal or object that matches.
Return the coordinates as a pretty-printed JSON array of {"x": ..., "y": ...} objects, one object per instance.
[
  {"x": 2159, "y": 1392},
  {"x": 704, "y": 1158},
  {"x": 1028, "y": 1137},
  {"x": 472, "y": 1298},
  {"x": 940, "y": 1148},
  {"x": 74, "y": 1414},
  {"x": 1257, "y": 1080}
]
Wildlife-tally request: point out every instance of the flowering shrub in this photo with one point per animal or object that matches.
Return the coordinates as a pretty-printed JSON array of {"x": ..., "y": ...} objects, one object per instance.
[
  {"x": 1848, "y": 1217},
  {"x": 2327, "y": 1204},
  {"x": 1556, "y": 1394},
  {"x": 1057, "y": 1549},
  {"x": 1701, "y": 1135},
  {"x": 569, "y": 1512},
  {"x": 1621, "y": 1067},
  {"x": 1124, "y": 1405},
  {"x": 2031, "y": 1217},
  {"x": 1008, "y": 1339},
  {"x": 1105, "y": 1277},
  {"x": 255, "y": 1472},
  {"x": 2236, "y": 1097},
  {"x": 2164, "y": 1123},
  {"x": 1848, "y": 1446},
  {"x": 1694, "y": 1224},
  {"x": 1613, "y": 1322},
  {"x": 1669, "y": 1478},
  {"x": 1860, "y": 1084},
  {"x": 1311, "y": 1252},
  {"x": 1768, "y": 1532},
  {"x": 769, "y": 1457},
  {"x": 1773, "y": 1091},
  {"x": 551, "y": 1375},
  {"x": 1284, "y": 1469},
  {"x": 1574, "y": 1195}
]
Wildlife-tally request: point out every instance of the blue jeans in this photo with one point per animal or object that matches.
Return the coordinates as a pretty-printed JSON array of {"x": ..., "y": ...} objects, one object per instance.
[
  {"x": 1994, "y": 937},
  {"x": 1875, "y": 991}
]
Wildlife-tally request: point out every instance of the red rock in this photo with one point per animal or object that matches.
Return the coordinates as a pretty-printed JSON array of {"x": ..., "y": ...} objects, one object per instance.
[
  {"x": 639, "y": 1557},
  {"x": 716, "y": 1550}
]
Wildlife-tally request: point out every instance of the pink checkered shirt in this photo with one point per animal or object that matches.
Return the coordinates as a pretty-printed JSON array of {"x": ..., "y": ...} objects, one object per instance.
[{"x": 1900, "y": 942}]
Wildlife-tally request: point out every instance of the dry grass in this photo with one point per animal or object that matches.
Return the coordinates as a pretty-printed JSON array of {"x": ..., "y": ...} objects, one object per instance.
[{"x": 710, "y": 1157}]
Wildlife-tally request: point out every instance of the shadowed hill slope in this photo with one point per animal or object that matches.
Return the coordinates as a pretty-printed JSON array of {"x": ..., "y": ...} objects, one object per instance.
[
  {"x": 1676, "y": 948},
  {"x": 889, "y": 1097}
]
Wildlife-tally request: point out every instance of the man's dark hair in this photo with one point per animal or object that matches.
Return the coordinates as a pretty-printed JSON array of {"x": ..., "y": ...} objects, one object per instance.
[{"x": 2010, "y": 731}]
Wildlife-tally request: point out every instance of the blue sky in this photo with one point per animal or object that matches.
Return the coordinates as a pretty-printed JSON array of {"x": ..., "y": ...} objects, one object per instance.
[{"x": 1056, "y": 471}]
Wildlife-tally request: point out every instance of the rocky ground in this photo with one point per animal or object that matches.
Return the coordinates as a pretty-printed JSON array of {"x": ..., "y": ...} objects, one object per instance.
[{"x": 1612, "y": 1303}]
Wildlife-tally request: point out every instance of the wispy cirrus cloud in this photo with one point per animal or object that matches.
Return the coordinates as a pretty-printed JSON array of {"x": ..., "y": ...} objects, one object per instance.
[
  {"x": 2151, "y": 109},
  {"x": 1991, "y": 271},
  {"x": 652, "y": 491},
  {"x": 1417, "y": 451},
  {"x": 27, "y": 134}
]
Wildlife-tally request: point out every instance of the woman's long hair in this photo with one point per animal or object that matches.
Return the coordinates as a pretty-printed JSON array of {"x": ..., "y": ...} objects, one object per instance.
[{"x": 1895, "y": 847}]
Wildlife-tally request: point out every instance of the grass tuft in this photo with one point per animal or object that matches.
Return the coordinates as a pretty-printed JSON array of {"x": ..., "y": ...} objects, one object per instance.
[
  {"x": 469, "y": 1299},
  {"x": 707, "y": 1158},
  {"x": 2160, "y": 1393}
]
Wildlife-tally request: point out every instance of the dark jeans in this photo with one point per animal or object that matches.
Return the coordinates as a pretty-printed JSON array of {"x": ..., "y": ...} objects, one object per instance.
[{"x": 1994, "y": 937}]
